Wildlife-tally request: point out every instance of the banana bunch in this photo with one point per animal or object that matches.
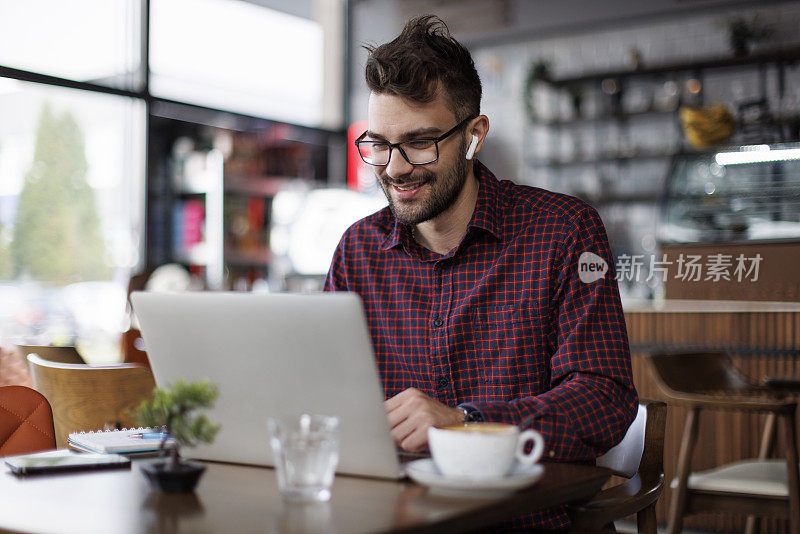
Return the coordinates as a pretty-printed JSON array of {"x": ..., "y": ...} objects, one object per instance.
[{"x": 707, "y": 126}]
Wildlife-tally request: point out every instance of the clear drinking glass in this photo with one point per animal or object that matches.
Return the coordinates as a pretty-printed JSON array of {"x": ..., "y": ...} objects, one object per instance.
[{"x": 306, "y": 452}]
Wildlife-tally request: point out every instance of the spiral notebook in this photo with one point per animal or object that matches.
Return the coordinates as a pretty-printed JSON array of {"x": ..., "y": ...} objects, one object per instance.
[{"x": 125, "y": 441}]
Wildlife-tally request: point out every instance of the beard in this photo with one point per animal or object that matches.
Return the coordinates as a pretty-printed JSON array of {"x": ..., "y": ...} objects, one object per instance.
[{"x": 443, "y": 190}]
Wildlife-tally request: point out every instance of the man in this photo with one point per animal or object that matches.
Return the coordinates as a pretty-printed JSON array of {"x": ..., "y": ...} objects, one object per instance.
[{"x": 472, "y": 287}]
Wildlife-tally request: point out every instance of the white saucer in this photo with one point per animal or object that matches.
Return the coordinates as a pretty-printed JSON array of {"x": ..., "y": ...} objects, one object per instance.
[{"x": 425, "y": 472}]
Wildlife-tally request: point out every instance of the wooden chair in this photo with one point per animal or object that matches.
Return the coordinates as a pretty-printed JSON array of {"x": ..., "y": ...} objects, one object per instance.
[
  {"x": 639, "y": 457},
  {"x": 26, "y": 422},
  {"x": 132, "y": 341},
  {"x": 53, "y": 354},
  {"x": 87, "y": 397},
  {"x": 753, "y": 487}
]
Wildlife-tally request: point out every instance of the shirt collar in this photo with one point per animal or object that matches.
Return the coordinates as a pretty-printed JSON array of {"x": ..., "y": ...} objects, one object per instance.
[
  {"x": 484, "y": 216},
  {"x": 488, "y": 203}
]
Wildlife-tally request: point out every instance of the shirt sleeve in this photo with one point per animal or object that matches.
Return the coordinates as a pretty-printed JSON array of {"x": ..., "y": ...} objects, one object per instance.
[
  {"x": 592, "y": 400},
  {"x": 336, "y": 280}
]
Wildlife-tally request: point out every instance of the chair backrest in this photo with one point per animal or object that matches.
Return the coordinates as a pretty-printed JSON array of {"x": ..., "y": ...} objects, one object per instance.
[
  {"x": 642, "y": 448},
  {"x": 53, "y": 354},
  {"x": 132, "y": 341},
  {"x": 697, "y": 372},
  {"x": 87, "y": 397},
  {"x": 26, "y": 422}
]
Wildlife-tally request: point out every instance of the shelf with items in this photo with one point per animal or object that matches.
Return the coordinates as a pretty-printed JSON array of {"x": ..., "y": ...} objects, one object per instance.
[
  {"x": 621, "y": 137},
  {"x": 263, "y": 186},
  {"x": 659, "y": 90},
  {"x": 616, "y": 140},
  {"x": 198, "y": 202},
  {"x": 641, "y": 198},
  {"x": 253, "y": 257},
  {"x": 590, "y": 132},
  {"x": 217, "y": 223},
  {"x": 608, "y": 158},
  {"x": 247, "y": 223},
  {"x": 580, "y": 120},
  {"x": 783, "y": 55}
]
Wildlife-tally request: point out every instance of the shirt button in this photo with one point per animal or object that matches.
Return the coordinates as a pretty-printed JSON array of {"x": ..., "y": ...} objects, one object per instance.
[
  {"x": 438, "y": 322},
  {"x": 442, "y": 383}
]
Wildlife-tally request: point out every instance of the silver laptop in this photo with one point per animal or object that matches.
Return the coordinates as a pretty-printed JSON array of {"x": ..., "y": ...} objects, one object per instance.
[{"x": 273, "y": 355}]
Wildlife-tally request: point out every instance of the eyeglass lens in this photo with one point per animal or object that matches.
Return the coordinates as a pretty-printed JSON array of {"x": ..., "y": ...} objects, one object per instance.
[{"x": 417, "y": 152}]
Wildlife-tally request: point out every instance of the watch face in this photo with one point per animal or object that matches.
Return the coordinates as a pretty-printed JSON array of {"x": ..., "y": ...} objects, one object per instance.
[{"x": 473, "y": 417}]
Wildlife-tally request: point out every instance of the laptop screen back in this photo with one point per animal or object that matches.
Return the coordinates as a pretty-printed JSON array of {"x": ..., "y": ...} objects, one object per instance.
[{"x": 273, "y": 355}]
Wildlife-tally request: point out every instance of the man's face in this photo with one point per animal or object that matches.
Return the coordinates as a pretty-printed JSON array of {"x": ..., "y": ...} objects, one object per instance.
[{"x": 418, "y": 193}]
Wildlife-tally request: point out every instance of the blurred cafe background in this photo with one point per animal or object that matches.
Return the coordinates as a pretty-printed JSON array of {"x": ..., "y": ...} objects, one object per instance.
[{"x": 207, "y": 145}]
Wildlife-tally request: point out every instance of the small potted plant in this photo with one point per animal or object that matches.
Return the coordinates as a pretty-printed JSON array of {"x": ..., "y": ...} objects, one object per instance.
[
  {"x": 173, "y": 409},
  {"x": 576, "y": 98},
  {"x": 742, "y": 33},
  {"x": 538, "y": 75}
]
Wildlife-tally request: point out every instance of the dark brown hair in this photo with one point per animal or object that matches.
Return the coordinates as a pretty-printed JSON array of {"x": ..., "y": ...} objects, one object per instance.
[{"x": 420, "y": 60}]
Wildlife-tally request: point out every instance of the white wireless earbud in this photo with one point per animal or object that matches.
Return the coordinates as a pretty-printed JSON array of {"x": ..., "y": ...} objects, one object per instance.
[{"x": 472, "y": 146}]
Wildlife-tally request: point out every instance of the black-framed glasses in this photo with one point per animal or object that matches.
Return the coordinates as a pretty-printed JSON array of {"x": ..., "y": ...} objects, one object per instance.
[{"x": 418, "y": 151}]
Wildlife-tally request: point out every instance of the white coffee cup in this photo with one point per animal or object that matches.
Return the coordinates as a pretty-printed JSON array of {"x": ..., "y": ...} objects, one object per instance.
[{"x": 482, "y": 450}]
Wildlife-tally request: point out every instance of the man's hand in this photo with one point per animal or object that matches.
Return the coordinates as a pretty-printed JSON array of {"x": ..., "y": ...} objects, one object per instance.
[{"x": 411, "y": 413}]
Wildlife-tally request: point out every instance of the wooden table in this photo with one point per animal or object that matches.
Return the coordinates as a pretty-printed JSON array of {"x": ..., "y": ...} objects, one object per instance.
[{"x": 238, "y": 499}]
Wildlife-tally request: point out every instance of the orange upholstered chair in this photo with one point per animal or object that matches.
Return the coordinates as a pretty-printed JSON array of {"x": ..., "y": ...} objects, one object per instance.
[{"x": 26, "y": 421}]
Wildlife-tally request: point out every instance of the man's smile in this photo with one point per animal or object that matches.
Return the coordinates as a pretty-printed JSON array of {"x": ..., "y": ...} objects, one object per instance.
[
  {"x": 407, "y": 191},
  {"x": 406, "y": 187}
]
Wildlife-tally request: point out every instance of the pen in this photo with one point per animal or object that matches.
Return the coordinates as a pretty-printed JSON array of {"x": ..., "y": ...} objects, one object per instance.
[{"x": 150, "y": 435}]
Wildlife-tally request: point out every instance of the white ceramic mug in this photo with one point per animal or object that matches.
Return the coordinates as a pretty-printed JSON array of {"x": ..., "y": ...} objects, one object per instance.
[{"x": 482, "y": 450}]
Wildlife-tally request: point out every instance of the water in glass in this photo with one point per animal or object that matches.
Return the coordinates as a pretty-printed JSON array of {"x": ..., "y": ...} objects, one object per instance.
[{"x": 306, "y": 452}]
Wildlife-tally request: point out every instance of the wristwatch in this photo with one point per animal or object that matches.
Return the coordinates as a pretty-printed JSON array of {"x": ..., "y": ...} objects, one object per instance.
[{"x": 471, "y": 415}]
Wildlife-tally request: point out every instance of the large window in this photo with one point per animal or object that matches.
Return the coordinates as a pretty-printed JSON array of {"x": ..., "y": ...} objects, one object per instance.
[
  {"x": 71, "y": 214},
  {"x": 73, "y": 110},
  {"x": 237, "y": 56},
  {"x": 71, "y": 173},
  {"x": 87, "y": 40}
]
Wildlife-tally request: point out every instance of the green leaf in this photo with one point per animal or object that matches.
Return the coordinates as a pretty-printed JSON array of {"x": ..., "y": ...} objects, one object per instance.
[{"x": 174, "y": 407}]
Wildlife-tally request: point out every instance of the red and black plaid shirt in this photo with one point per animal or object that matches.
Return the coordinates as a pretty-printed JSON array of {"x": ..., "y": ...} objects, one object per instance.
[{"x": 502, "y": 322}]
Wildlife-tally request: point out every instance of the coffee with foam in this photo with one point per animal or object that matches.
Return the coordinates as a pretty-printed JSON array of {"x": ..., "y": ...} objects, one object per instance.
[
  {"x": 482, "y": 450},
  {"x": 481, "y": 428}
]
